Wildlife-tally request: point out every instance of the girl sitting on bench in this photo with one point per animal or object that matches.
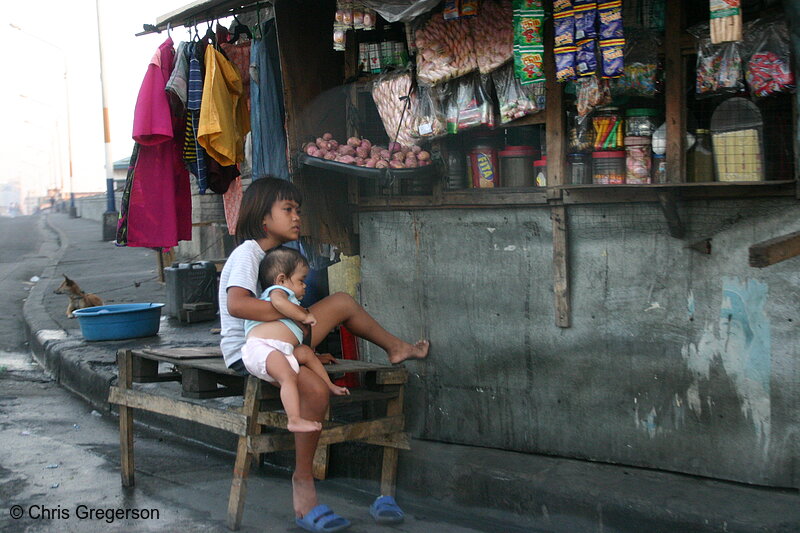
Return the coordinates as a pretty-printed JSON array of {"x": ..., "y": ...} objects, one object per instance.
[{"x": 269, "y": 216}]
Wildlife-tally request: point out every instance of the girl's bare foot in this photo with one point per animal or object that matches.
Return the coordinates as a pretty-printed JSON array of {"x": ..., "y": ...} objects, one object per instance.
[
  {"x": 304, "y": 494},
  {"x": 336, "y": 390},
  {"x": 301, "y": 425},
  {"x": 404, "y": 351}
]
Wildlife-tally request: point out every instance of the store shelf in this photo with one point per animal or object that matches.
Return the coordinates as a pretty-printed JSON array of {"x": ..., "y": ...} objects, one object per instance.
[
  {"x": 583, "y": 194},
  {"x": 579, "y": 194}
]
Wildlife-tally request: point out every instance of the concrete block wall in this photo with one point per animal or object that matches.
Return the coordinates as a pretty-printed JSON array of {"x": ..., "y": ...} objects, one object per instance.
[{"x": 675, "y": 360}]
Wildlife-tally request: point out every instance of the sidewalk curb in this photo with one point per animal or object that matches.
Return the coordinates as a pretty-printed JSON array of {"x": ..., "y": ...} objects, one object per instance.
[{"x": 49, "y": 342}]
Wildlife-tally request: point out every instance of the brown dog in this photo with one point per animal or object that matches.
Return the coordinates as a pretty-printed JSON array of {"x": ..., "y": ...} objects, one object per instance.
[{"x": 77, "y": 298}]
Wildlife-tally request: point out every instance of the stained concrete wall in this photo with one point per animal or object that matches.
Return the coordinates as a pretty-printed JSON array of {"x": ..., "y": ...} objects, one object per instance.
[{"x": 676, "y": 360}]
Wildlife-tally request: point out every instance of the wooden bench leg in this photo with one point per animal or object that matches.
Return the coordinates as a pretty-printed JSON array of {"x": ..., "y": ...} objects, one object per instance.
[
  {"x": 320, "y": 466},
  {"x": 241, "y": 468},
  {"x": 389, "y": 468},
  {"x": 125, "y": 382}
]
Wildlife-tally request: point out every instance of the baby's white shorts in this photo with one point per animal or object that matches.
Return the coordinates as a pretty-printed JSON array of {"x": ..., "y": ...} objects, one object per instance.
[{"x": 255, "y": 352}]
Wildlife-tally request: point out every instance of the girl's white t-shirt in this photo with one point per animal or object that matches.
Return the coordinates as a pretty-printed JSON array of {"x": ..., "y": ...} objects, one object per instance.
[{"x": 241, "y": 270}]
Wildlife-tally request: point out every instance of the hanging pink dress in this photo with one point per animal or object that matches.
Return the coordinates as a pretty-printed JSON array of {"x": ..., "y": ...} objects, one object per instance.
[{"x": 160, "y": 209}]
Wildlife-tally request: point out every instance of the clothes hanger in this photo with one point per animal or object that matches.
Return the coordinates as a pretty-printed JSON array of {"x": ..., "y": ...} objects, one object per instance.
[
  {"x": 258, "y": 33},
  {"x": 210, "y": 35},
  {"x": 240, "y": 29}
]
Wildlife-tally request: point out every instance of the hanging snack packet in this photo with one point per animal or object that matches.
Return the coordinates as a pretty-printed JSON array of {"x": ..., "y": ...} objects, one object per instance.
[
  {"x": 560, "y": 6},
  {"x": 528, "y": 27},
  {"x": 528, "y": 64},
  {"x": 516, "y": 100},
  {"x": 610, "y": 14},
  {"x": 469, "y": 8},
  {"x": 527, "y": 4},
  {"x": 427, "y": 120},
  {"x": 586, "y": 58},
  {"x": 564, "y": 26},
  {"x": 565, "y": 62},
  {"x": 585, "y": 17},
  {"x": 613, "y": 58},
  {"x": 769, "y": 69},
  {"x": 591, "y": 92},
  {"x": 726, "y": 21},
  {"x": 339, "y": 31},
  {"x": 450, "y": 11}
]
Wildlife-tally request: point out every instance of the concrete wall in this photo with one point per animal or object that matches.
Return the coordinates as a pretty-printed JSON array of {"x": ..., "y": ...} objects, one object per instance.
[
  {"x": 676, "y": 360},
  {"x": 93, "y": 207}
]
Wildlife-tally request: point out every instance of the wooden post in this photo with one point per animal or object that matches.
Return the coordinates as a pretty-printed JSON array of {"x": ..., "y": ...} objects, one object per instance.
[
  {"x": 556, "y": 175},
  {"x": 675, "y": 75},
  {"x": 394, "y": 407},
  {"x": 554, "y": 116},
  {"x": 124, "y": 382},
  {"x": 241, "y": 468},
  {"x": 775, "y": 250}
]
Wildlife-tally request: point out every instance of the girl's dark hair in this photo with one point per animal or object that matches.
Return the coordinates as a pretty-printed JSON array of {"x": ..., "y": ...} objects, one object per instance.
[
  {"x": 279, "y": 260},
  {"x": 257, "y": 203}
]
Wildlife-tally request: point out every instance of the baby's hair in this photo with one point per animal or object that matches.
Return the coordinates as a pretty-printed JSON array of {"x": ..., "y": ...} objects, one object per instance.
[
  {"x": 257, "y": 203},
  {"x": 280, "y": 260}
]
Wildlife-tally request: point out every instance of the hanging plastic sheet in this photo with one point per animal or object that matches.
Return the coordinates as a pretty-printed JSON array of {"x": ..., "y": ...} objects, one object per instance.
[
  {"x": 401, "y": 10},
  {"x": 266, "y": 109}
]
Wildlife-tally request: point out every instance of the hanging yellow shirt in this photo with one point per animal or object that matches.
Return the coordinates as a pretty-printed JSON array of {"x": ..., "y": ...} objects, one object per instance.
[{"x": 224, "y": 119}]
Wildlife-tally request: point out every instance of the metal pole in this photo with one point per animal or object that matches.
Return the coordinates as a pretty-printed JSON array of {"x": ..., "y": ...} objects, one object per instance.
[
  {"x": 73, "y": 212},
  {"x": 111, "y": 216}
]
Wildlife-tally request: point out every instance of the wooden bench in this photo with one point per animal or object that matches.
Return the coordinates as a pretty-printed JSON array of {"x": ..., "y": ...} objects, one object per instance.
[{"x": 202, "y": 374}]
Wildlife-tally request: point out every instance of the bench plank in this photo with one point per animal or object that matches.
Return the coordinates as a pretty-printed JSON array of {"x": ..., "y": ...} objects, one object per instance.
[
  {"x": 227, "y": 420},
  {"x": 334, "y": 435}
]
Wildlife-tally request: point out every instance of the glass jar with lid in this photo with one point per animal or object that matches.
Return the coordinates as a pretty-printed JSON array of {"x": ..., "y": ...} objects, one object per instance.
[
  {"x": 641, "y": 121},
  {"x": 608, "y": 129}
]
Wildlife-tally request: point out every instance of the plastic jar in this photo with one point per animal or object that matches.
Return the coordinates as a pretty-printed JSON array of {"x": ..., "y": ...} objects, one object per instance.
[
  {"x": 637, "y": 161},
  {"x": 484, "y": 171},
  {"x": 608, "y": 131},
  {"x": 608, "y": 167},
  {"x": 641, "y": 122},
  {"x": 580, "y": 168},
  {"x": 540, "y": 170},
  {"x": 516, "y": 166}
]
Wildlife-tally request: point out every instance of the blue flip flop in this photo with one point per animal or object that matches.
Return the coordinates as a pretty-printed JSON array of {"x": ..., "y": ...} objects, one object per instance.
[
  {"x": 321, "y": 519},
  {"x": 386, "y": 511}
]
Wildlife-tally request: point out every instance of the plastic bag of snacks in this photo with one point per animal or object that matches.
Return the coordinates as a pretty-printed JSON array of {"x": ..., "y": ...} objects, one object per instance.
[
  {"x": 395, "y": 99},
  {"x": 641, "y": 64},
  {"x": 769, "y": 68},
  {"x": 591, "y": 92},
  {"x": 719, "y": 66},
  {"x": 445, "y": 49},
  {"x": 581, "y": 133},
  {"x": 493, "y": 33},
  {"x": 468, "y": 105},
  {"x": 516, "y": 100},
  {"x": 428, "y": 120}
]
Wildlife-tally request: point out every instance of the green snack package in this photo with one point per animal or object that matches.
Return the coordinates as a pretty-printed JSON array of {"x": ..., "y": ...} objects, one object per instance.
[
  {"x": 527, "y": 4},
  {"x": 528, "y": 63},
  {"x": 528, "y": 27}
]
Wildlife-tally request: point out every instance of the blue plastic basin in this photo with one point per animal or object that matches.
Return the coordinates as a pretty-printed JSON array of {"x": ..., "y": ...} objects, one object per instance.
[{"x": 120, "y": 321}]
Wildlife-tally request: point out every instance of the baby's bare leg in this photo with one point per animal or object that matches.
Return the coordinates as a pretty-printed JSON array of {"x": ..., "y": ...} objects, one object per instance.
[
  {"x": 306, "y": 357},
  {"x": 280, "y": 369}
]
